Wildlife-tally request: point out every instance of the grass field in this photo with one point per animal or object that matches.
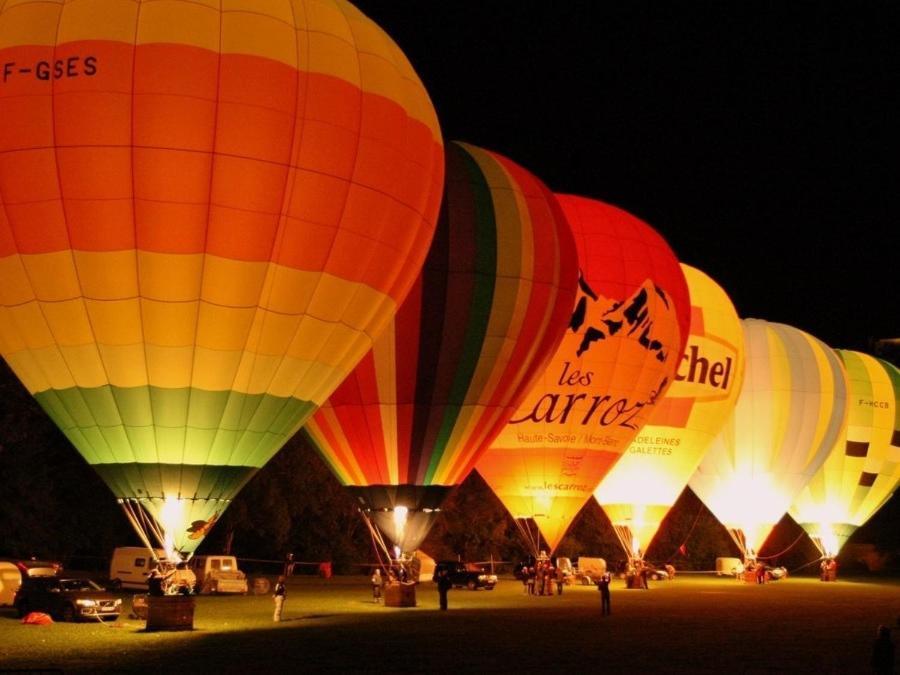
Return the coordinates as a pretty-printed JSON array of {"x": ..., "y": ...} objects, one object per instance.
[{"x": 692, "y": 624}]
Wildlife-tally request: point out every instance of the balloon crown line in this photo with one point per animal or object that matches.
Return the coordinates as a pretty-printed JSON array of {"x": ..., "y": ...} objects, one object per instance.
[
  {"x": 366, "y": 509},
  {"x": 122, "y": 500}
]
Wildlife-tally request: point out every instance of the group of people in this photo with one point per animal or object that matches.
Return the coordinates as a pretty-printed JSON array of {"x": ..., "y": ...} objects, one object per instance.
[
  {"x": 540, "y": 578},
  {"x": 758, "y": 569},
  {"x": 164, "y": 579},
  {"x": 828, "y": 569}
]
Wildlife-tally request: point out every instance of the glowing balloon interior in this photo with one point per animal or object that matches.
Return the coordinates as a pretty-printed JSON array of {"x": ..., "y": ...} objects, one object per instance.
[
  {"x": 863, "y": 469},
  {"x": 789, "y": 414},
  {"x": 626, "y": 335},
  {"x": 644, "y": 484},
  {"x": 206, "y": 214},
  {"x": 481, "y": 322}
]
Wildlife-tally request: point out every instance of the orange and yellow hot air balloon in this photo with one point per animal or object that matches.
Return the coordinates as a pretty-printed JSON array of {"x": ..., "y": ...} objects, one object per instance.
[
  {"x": 207, "y": 211},
  {"x": 627, "y": 333},
  {"x": 643, "y": 485},
  {"x": 480, "y": 324}
]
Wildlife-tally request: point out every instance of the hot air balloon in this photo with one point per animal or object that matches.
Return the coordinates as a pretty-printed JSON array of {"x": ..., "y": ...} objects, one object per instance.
[
  {"x": 863, "y": 469},
  {"x": 484, "y": 316},
  {"x": 644, "y": 484},
  {"x": 790, "y": 412},
  {"x": 207, "y": 213},
  {"x": 626, "y": 335}
]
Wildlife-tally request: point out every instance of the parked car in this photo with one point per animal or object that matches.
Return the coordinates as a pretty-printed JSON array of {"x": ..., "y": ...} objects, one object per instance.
[
  {"x": 468, "y": 575},
  {"x": 776, "y": 573},
  {"x": 66, "y": 599}
]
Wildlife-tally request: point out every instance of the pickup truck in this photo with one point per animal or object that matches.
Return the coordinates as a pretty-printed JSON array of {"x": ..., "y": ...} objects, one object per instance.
[{"x": 468, "y": 575}]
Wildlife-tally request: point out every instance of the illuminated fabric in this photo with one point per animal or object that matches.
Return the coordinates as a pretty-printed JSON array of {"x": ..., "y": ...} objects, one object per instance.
[
  {"x": 206, "y": 213},
  {"x": 480, "y": 323},
  {"x": 789, "y": 414},
  {"x": 644, "y": 484},
  {"x": 863, "y": 470},
  {"x": 626, "y": 335}
]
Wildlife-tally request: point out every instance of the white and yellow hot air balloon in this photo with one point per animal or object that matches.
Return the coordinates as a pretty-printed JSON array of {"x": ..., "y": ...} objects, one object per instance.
[
  {"x": 789, "y": 414},
  {"x": 863, "y": 469},
  {"x": 641, "y": 488}
]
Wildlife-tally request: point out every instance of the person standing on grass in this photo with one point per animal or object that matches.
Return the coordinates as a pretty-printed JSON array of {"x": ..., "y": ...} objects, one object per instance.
[
  {"x": 883, "y": 652},
  {"x": 443, "y": 585},
  {"x": 603, "y": 587},
  {"x": 279, "y": 596},
  {"x": 377, "y": 583}
]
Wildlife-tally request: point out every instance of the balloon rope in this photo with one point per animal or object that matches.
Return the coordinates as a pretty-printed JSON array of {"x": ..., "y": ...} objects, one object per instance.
[
  {"x": 777, "y": 555},
  {"x": 126, "y": 507},
  {"x": 688, "y": 535},
  {"x": 377, "y": 541},
  {"x": 531, "y": 540},
  {"x": 150, "y": 525},
  {"x": 623, "y": 534},
  {"x": 817, "y": 542},
  {"x": 737, "y": 536}
]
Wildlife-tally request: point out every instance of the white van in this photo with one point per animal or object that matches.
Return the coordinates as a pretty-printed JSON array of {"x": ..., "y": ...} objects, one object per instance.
[
  {"x": 218, "y": 574},
  {"x": 589, "y": 569},
  {"x": 730, "y": 566},
  {"x": 130, "y": 566},
  {"x": 10, "y": 579}
]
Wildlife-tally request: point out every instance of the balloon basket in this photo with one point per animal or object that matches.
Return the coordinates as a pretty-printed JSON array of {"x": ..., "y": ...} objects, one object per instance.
[
  {"x": 170, "y": 612},
  {"x": 634, "y": 581},
  {"x": 400, "y": 595}
]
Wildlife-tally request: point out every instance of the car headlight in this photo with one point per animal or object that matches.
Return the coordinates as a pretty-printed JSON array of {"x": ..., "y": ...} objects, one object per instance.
[
  {"x": 85, "y": 602},
  {"x": 482, "y": 577},
  {"x": 118, "y": 601}
]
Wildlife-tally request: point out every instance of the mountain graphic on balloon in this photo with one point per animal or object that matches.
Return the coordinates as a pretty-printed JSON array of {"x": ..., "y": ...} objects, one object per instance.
[
  {"x": 627, "y": 331},
  {"x": 633, "y": 315}
]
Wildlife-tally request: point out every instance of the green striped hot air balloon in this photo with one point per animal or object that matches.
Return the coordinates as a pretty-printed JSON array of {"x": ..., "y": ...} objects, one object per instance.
[{"x": 863, "y": 469}]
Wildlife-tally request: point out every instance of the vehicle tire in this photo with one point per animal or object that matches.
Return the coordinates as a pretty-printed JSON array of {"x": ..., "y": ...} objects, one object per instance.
[
  {"x": 68, "y": 613},
  {"x": 471, "y": 585},
  {"x": 115, "y": 584},
  {"x": 22, "y": 609}
]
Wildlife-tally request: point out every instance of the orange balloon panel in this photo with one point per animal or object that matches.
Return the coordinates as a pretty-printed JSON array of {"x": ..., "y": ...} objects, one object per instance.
[
  {"x": 626, "y": 336},
  {"x": 644, "y": 484},
  {"x": 207, "y": 210}
]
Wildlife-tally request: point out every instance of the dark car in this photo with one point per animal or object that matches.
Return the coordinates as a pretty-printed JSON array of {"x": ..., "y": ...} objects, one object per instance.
[
  {"x": 66, "y": 599},
  {"x": 470, "y": 575}
]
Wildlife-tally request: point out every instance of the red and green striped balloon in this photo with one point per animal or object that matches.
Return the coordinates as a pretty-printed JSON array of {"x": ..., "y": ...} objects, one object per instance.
[{"x": 487, "y": 311}]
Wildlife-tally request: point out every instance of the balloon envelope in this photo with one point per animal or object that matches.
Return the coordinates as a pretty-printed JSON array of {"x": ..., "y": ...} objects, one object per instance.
[
  {"x": 790, "y": 412},
  {"x": 863, "y": 470},
  {"x": 483, "y": 317},
  {"x": 644, "y": 484},
  {"x": 626, "y": 334},
  {"x": 205, "y": 215}
]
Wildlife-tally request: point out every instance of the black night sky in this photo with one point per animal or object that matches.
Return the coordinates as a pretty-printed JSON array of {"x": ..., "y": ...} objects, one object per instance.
[
  {"x": 756, "y": 137},
  {"x": 753, "y": 136}
]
